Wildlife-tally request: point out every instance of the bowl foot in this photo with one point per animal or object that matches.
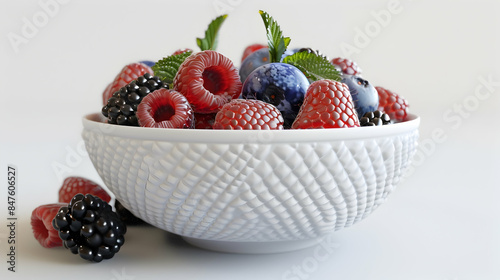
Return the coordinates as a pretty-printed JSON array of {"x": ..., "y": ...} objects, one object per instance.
[{"x": 252, "y": 247}]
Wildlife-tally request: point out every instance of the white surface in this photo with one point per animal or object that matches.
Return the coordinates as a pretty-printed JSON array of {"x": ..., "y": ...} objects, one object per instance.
[{"x": 441, "y": 223}]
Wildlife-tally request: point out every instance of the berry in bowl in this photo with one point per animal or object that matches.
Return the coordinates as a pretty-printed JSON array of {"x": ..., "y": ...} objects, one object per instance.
[{"x": 250, "y": 166}]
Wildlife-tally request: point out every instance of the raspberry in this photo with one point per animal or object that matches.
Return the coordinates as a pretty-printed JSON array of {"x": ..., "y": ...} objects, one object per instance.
[
  {"x": 248, "y": 114},
  {"x": 121, "y": 108},
  {"x": 328, "y": 104},
  {"x": 208, "y": 80},
  {"x": 128, "y": 73},
  {"x": 204, "y": 121},
  {"x": 74, "y": 185},
  {"x": 375, "y": 118},
  {"x": 165, "y": 108},
  {"x": 347, "y": 66},
  {"x": 179, "y": 51},
  {"x": 250, "y": 49},
  {"x": 41, "y": 223},
  {"x": 392, "y": 104},
  {"x": 89, "y": 227}
]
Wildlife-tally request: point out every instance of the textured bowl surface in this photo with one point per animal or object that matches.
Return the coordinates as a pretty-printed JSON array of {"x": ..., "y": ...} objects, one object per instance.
[{"x": 230, "y": 190}]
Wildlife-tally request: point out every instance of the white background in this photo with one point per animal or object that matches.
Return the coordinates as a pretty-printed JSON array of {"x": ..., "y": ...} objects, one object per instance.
[{"x": 443, "y": 221}]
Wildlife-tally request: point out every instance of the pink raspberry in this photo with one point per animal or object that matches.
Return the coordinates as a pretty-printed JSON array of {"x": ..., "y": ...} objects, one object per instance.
[
  {"x": 346, "y": 66},
  {"x": 208, "y": 80}
]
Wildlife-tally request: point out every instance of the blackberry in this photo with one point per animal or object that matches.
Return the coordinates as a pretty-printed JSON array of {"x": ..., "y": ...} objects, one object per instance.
[
  {"x": 310, "y": 50},
  {"x": 89, "y": 227},
  {"x": 126, "y": 216},
  {"x": 375, "y": 118},
  {"x": 122, "y": 106}
]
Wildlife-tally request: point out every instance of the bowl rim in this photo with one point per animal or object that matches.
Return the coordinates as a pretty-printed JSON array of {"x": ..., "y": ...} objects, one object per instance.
[{"x": 94, "y": 122}]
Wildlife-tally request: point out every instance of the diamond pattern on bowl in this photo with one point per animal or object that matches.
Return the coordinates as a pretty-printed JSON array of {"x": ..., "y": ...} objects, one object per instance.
[{"x": 248, "y": 192}]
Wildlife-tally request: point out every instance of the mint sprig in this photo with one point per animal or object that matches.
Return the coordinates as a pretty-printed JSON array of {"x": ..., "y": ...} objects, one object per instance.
[
  {"x": 315, "y": 67},
  {"x": 211, "y": 34},
  {"x": 167, "y": 68},
  {"x": 276, "y": 42}
]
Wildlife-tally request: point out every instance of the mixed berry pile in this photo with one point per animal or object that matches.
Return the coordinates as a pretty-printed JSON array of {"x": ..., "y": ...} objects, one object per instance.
[
  {"x": 274, "y": 88},
  {"x": 204, "y": 90}
]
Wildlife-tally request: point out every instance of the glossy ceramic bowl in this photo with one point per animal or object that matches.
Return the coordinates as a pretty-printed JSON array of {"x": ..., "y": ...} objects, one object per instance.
[{"x": 250, "y": 191}]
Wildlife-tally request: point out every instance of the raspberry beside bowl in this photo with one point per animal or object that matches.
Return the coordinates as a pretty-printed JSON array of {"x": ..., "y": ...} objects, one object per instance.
[{"x": 250, "y": 191}]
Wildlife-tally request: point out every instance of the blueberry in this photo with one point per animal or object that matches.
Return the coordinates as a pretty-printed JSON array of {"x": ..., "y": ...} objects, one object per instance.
[
  {"x": 364, "y": 94},
  {"x": 254, "y": 60},
  {"x": 148, "y": 63},
  {"x": 280, "y": 84},
  {"x": 288, "y": 53}
]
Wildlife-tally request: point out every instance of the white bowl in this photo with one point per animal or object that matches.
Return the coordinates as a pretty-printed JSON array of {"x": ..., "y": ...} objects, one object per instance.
[{"x": 250, "y": 191}]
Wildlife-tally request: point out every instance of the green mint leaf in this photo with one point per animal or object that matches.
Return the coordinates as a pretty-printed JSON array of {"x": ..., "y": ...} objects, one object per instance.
[
  {"x": 314, "y": 67},
  {"x": 167, "y": 68},
  {"x": 211, "y": 39},
  {"x": 275, "y": 40}
]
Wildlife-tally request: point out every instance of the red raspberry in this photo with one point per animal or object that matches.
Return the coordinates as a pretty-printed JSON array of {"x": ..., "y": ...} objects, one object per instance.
[
  {"x": 392, "y": 104},
  {"x": 328, "y": 104},
  {"x": 204, "y": 121},
  {"x": 180, "y": 51},
  {"x": 165, "y": 108},
  {"x": 248, "y": 114},
  {"x": 41, "y": 223},
  {"x": 347, "y": 66},
  {"x": 75, "y": 185},
  {"x": 208, "y": 80},
  {"x": 128, "y": 73},
  {"x": 250, "y": 49}
]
